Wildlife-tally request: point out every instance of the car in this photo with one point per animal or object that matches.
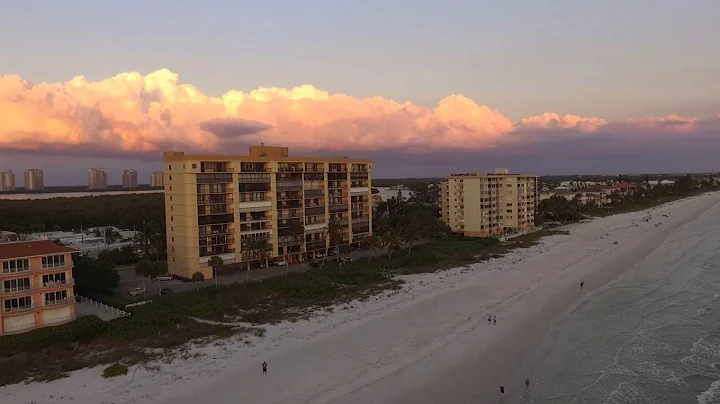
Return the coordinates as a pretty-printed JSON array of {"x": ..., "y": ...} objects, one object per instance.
[
  {"x": 280, "y": 263},
  {"x": 164, "y": 278},
  {"x": 137, "y": 291}
]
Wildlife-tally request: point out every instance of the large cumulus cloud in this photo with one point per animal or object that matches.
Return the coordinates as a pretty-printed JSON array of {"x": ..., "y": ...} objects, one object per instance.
[{"x": 140, "y": 116}]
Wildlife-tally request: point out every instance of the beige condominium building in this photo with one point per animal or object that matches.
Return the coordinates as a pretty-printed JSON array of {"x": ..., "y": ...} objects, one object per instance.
[
  {"x": 484, "y": 205},
  {"x": 36, "y": 285},
  {"x": 97, "y": 178},
  {"x": 213, "y": 203},
  {"x": 156, "y": 179},
  {"x": 129, "y": 179},
  {"x": 7, "y": 181},
  {"x": 34, "y": 180}
]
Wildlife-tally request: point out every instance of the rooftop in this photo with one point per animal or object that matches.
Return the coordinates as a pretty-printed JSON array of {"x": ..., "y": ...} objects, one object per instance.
[
  {"x": 260, "y": 154},
  {"x": 22, "y": 249}
]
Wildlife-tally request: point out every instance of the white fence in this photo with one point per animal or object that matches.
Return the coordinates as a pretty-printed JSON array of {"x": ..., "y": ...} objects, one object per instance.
[{"x": 103, "y": 306}]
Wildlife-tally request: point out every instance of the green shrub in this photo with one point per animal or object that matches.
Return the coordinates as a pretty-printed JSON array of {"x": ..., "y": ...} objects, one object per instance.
[
  {"x": 82, "y": 328},
  {"x": 116, "y": 369}
]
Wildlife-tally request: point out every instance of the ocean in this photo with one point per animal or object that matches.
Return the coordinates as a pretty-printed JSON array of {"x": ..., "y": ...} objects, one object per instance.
[{"x": 651, "y": 337}]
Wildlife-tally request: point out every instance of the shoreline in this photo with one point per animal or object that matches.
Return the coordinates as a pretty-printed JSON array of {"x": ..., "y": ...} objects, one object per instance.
[{"x": 398, "y": 344}]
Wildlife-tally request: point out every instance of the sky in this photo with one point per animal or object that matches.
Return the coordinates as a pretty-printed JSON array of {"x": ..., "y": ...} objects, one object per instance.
[{"x": 425, "y": 88}]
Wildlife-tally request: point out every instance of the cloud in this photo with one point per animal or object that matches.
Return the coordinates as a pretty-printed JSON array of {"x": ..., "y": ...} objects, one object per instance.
[{"x": 131, "y": 115}]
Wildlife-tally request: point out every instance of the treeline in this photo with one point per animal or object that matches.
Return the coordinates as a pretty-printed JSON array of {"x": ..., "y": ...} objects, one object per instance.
[
  {"x": 131, "y": 211},
  {"x": 558, "y": 208}
]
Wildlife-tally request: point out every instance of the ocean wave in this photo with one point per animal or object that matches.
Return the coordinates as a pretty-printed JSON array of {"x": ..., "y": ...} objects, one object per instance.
[{"x": 711, "y": 395}]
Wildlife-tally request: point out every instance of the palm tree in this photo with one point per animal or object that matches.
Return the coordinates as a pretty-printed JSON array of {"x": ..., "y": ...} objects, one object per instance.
[
  {"x": 391, "y": 237},
  {"x": 333, "y": 234},
  {"x": 248, "y": 248},
  {"x": 144, "y": 240},
  {"x": 371, "y": 243},
  {"x": 216, "y": 263},
  {"x": 263, "y": 248},
  {"x": 297, "y": 234}
]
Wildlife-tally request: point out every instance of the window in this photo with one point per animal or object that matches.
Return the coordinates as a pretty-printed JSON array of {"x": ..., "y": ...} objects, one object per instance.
[
  {"x": 171, "y": 218},
  {"x": 173, "y": 249},
  {"x": 170, "y": 167},
  {"x": 170, "y": 198},
  {"x": 54, "y": 298},
  {"x": 53, "y": 261},
  {"x": 173, "y": 259},
  {"x": 16, "y": 285},
  {"x": 13, "y": 266},
  {"x": 170, "y": 176},
  {"x": 194, "y": 166},
  {"x": 171, "y": 209},
  {"x": 172, "y": 238},
  {"x": 172, "y": 228},
  {"x": 19, "y": 304},
  {"x": 171, "y": 187},
  {"x": 183, "y": 166}
]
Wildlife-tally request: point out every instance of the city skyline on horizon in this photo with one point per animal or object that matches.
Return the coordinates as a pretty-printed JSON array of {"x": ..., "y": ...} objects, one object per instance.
[{"x": 554, "y": 88}]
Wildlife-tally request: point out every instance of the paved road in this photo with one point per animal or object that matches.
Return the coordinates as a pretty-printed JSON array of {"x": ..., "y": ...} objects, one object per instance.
[{"x": 128, "y": 279}]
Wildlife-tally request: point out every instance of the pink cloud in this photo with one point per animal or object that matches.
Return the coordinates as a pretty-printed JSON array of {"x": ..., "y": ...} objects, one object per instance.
[{"x": 131, "y": 114}]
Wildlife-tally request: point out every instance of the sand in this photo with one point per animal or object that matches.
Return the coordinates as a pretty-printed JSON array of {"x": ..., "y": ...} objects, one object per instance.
[{"x": 428, "y": 343}]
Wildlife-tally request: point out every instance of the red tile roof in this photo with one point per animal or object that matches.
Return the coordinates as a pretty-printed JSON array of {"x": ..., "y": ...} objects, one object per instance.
[
  {"x": 624, "y": 185},
  {"x": 33, "y": 248}
]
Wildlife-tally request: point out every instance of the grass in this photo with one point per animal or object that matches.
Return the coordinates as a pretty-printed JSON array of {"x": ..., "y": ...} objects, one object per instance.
[
  {"x": 156, "y": 328},
  {"x": 640, "y": 204}
]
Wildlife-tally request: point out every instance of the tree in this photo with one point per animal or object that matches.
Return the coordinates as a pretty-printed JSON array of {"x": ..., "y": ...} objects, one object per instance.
[
  {"x": 111, "y": 236},
  {"x": 216, "y": 263},
  {"x": 197, "y": 277},
  {"x": 371, "y": 243},
  {"x": 297, "y": 234},
  {"x": 333, "y": 234},
  {"x": 93, "y": 277},
  {"x": 150, "y": 269}
]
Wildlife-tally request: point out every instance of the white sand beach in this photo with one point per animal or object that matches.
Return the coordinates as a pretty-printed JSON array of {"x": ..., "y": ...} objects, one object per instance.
[{"x": 428, "y": 343}]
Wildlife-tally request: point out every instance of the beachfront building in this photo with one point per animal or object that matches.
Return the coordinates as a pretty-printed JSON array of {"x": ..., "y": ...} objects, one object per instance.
[
  {"x": 34, "y": 180},
  {"x": 485, "y": 205},
  {"x": 213, "y": 204},
  {"x": 7, "y": 181},
  {"x": 129, "y": 179},
  {"x": 36, "y": 285},
  {"x": 156, "y": 179},
  {"x": 97, "y": 179}
]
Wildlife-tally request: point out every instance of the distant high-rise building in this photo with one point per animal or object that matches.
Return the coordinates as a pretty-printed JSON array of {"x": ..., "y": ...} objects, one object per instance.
[
  {"x": 7, "y": 181},
  {"x": 34, "y": 180},
  {"x": 488, "y": 205},
  {"x": 156, "y": 179},
  {"x": 97, "y": 178},
  {"x": 129, "y": 179}
]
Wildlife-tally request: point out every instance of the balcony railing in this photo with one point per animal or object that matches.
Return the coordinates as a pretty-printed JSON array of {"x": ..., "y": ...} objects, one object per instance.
[
  {"x": 59, "y": 302},
  {"x": 11, "y": 310},
  {"x": 314, "y": 193},
  {"x": 58, "y": 283},
  {"x": 217, "y": 252},
  {"x": 338, "y": 208},
  {"x": 290, "y": 213},
  {"x": 15, "y": 271},
  {"x": 288, "y": 184},
  {"x": 314, "y": 211},
  {"x": 8, "y": 291},
  {"x": 315, "y": 245},
  {"x": 254, "y": 198}
]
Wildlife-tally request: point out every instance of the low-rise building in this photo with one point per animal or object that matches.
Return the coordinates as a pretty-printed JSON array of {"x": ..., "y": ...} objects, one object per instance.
[{"x": 36, "y": 285}]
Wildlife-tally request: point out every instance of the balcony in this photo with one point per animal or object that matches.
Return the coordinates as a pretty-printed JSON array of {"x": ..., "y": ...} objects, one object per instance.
[
  {"x": 254, "y": 197},
  {"x": 215, "y": 167},
  {"x": 289, "y": 214},
  {"x": 285, "y": 185},
  {"x": 59, "y": 302},
  {"x": 359, "y": 221},
  {"x": 215, "y": 219},
  {"x": 319, "y": 176},
  {"x": 253, "y": 168},
  {"x": 214, "y": 231},
  {"x": 224, "y": 178},
  {"x": 289, "y": 240},
  {"x": 16, "y": 271},
  {"x": 337, "y": 176},
  {"x": 16, "y": 290},
  {"x": 314, "y": 193},
  {"x": 315, "y": 245},
  {"x": 214, "y": 200},
  {"x": 360, "y": 229},
  {"x": 15, "y": 310},
  {"x": 314, "y": 211},
  {"x": 314, "y": 168},
  {"x": 204, "y": 252},
  {"x": 290, "y": 167},
  {"x": 219, "y": 209},
  {"x": 222, "y": 240},
  {"x": 58, "y": 283},
  {"x": 253, "y": 227}
]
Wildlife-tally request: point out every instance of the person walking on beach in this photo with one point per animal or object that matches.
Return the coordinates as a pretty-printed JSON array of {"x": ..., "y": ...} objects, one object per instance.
[
  {"x": 582, "y": 285},
  {"x": 495, "y": 320},
  {"x": 489, "y": 319},
  {"x": 264, "y": 365},
  {"x": 502, "y": 391},
  {"x": 527, "y": 384}
]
